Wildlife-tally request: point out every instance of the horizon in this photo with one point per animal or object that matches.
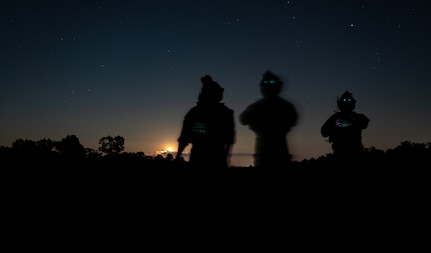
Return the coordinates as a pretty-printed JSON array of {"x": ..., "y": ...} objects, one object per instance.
[{"x": 237, "y": 159}]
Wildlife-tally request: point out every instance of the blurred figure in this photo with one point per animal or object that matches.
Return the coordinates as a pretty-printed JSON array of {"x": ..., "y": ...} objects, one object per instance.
[
  {"x": 270, "y": 118},
  {"x": 209, "y": 126},
  {"x": 344, "y": 129}
]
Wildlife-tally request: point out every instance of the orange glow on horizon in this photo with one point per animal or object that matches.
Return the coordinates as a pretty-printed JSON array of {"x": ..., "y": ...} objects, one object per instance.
[{"x": 166, "y": 150}]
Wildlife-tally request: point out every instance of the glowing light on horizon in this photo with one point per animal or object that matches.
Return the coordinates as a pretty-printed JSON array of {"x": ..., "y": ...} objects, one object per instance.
[{"x": 166, "y": 150}]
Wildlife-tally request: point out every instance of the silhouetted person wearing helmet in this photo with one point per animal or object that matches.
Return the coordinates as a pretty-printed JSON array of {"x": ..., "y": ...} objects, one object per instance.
[
  {"x": 209, "y": 126},
  {"x": 270, "y": 118},
  {"x": 344, "y": 129}
]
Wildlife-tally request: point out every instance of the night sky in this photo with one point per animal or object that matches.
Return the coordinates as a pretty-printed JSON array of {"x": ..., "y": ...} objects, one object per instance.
[{"x": 132, "y": 68}]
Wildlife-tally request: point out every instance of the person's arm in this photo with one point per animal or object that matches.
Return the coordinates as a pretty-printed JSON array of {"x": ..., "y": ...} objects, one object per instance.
[
  {"x": 244, "y": 116},
  {"x": 181, "y": 147},
  {"x": 228, "y": 149},
  {"x": 364, "y": 121},
  {"x": 184, "y": 138},
  {"x": 327, "y": 127},
  {"x": 232, "y": 134}
]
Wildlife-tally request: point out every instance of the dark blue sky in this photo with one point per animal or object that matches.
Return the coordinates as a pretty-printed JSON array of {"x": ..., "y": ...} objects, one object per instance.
[{"x": 133, "y": 68}]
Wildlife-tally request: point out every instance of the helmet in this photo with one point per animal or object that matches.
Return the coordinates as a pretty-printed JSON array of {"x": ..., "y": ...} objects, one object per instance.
[
  {"x": 211, "y": 91},
  {"x": 209, "y": 85},
  {"x": 346, "y": 102},
  {"x": 270, "y": 83}
]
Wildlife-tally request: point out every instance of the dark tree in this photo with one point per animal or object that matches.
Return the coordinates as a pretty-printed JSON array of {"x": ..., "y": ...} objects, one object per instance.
[
  {"x": 111, "y": 145},
  {"x": 46, "y": 145},
  {"x": 25, "y": 146},
  {"x": 70, "y": 147}
]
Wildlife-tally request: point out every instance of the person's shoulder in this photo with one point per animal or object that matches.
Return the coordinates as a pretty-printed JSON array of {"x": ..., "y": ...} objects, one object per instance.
[
  {"x": 363, "y": 117},
  {"x": 360, "y": 114},
  {"x": 224, "y": 107},
  {"x": 261, "y": 102},
  {"x": 336, "y": 115},
  {"x": 287, "y": 102},
  {"x": 284, "y": 102},
  {"x": 194, "y": 109}
]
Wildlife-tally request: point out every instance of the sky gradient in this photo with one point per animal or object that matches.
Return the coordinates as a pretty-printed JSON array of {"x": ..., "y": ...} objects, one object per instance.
[{"x": 133, "y": 68}]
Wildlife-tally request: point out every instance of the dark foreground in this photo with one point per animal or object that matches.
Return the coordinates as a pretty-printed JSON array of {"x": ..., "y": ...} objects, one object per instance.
[
  {"x": 380, "y": 202},
  {"x": 380, "y": 176},
  {"x": 165, "y": 205}
]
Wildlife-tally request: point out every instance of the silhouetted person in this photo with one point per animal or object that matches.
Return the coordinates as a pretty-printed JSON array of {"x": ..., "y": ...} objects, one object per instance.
[
  {"x": 209, "y": 126},
  {"x": 270, "y": 118},
  {"x": 344, "y": 129}
]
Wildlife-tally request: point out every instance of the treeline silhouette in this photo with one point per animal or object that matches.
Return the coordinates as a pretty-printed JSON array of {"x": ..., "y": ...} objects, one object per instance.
[
  {"x": 70, "y": 153},
  {"x": 53, "y": 171}
]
